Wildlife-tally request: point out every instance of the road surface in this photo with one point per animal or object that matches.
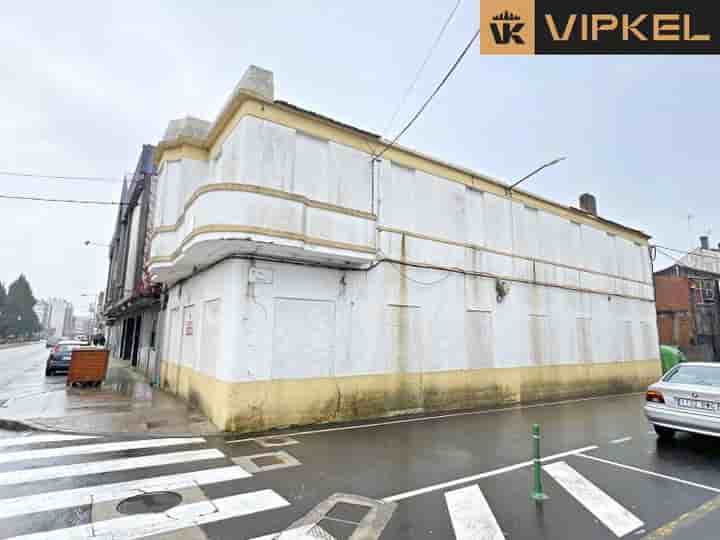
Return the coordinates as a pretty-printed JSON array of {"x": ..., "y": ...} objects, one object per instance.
[{"x": 464, "y": 476}]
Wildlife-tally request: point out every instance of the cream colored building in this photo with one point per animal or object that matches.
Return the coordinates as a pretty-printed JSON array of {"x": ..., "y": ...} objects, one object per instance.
[{"x": 309, "y": 282}]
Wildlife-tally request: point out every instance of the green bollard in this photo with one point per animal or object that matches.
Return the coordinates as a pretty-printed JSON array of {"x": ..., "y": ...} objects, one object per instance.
[{"x": 537, "y": 493}]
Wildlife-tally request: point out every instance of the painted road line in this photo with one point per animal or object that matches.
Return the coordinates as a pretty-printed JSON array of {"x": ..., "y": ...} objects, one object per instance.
[
  {"x": 614, "y": 516},
  {"x": 55, "y": 500},
  {"x": 621, "y": 440},
  {"x": 87, "y": 449},
  {"x": 487, "y": 474},
  {"x": 690, "y": 518},
  {"x": 112, "y": 465},
  {"x": 440, "y": 417},
  {"x": 44, "y": 438},
  {"x": 471, "y": 516},
  {"x": 650, "y": 473},
  {"x": 175, "y": 519}
]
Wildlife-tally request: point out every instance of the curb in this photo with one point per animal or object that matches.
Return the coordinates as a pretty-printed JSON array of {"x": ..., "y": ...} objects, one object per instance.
[{"x": 26, "y": 425}]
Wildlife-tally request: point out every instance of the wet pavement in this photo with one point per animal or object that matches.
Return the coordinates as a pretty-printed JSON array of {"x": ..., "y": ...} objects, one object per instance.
[
  {"x": 464, "y": 476},
  {"x": 125, "y": 403}
]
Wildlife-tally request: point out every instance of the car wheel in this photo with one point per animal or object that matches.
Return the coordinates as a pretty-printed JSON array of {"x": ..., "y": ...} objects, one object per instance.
[
  {"x": 48, "y": 372},
  {"x": 664, "y": 433}
]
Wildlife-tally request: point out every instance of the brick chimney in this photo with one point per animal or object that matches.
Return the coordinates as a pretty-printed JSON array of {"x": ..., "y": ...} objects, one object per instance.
[{"x": 588, "y": 203}]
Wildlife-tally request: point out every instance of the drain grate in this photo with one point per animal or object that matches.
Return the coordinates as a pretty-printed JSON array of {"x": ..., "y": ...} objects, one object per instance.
[{"x": 149, "y": 503}]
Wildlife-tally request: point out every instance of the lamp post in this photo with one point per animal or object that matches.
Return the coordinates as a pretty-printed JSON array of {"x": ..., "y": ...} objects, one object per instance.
[
  {"x": 540, "y": 168},
  {"x": 95, "y": 244}
]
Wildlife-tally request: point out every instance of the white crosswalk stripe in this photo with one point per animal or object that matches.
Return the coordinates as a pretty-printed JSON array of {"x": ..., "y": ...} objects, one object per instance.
[
  {"x": 106, "y": 522},
  {"x": 471, "y": 516},
  {"x": 608, "y": 511},
  {"x": 87, "y": 449},
  {"x": 44, "y": 438},
  {"x": 112, "y": 465},
  {"x": 55, "y": 500},
  {"x": 175, "y": 519}
]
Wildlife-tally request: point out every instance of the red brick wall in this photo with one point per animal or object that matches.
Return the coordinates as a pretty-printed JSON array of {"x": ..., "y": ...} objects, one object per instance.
[{"x": 672, "y": 293}]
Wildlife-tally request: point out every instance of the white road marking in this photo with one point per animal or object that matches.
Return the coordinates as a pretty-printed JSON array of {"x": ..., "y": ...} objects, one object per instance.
[
  {"x": 175, "y": 519},
  {"x": 621, "y": 440},
  {"x": 112, "y": 465},
  {"x": 44, "y": 438},
  {"x": 650, "y": 473},
  {"x": 487, "y": 474},
  {"x": 614, "y": 516},
  {"x": 55, "y": 500},
  {"x": 440, "y": 417},
  {"x": 312, "y": 531},
  {"x": 87, "y": 449},
  {"x": 471, "y": 516}
]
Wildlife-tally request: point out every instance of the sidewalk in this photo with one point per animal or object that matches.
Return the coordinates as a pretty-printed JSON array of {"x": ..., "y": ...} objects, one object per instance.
[{"x": 126, "y": 403}]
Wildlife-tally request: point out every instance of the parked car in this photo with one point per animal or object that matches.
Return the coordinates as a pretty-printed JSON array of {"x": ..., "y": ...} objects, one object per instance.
[
  {"x": 54, "y": 340},
  {"x": 686, "y": 398},
  {"x": 59, "y": 359}
]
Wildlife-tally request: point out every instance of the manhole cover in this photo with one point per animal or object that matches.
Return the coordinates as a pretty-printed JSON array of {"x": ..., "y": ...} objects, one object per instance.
[{"x": 149, "y": 503}]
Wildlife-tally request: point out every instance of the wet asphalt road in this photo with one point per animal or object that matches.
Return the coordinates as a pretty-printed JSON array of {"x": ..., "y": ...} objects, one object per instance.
[{"x": 427, "y": 467}]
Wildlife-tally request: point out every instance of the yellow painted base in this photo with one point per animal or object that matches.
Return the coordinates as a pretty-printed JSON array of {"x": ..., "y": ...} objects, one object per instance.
[{"x": 256, "y": 406}]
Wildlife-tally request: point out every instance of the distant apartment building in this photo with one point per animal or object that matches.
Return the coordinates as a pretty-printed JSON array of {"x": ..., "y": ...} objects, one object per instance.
[
  {"x": 688, "y": 305},
  {"x": 314, "y": 274},
  {"x": 131, "y": 302},
  {"x": 42, "y": 311},
  {"x": 60, "y": 318}
]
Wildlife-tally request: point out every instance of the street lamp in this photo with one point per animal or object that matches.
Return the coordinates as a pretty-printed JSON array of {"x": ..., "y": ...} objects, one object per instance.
[
  {"x": 548, "y": 164},
  {"x": 89, "y": 243}
]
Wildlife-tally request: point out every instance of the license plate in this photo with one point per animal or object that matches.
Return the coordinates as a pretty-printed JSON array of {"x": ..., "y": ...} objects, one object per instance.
[{"x": 697, "y": 404}]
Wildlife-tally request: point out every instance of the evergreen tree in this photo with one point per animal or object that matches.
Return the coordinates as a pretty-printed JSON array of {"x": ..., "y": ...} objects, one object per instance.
[
  {"x": 3, "y": 311},
  {"x": 23, "y": 320}
]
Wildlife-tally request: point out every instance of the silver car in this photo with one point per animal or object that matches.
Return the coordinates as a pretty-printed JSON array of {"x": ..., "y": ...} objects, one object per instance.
[{"x": 686, "y": 398}]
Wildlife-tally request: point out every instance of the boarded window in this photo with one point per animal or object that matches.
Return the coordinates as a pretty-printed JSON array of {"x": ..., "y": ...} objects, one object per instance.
[
  {"x": 211, "y": 347},
  {"x": 479, "y": 338},
  {"x": 649, "y": 345},
  {"x": 303, "y": 338},
  {"x": 539, "y": 340},
  {"x": 174, "y": 336},
  {"x": 584, "y": 339},
  {"x": 628, "y": 345}
]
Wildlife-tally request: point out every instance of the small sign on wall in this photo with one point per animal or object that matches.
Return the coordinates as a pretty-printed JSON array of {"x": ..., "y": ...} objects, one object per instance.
[
  {"x": 260, "y": 275},
  {"x": 189, "y": 328}
]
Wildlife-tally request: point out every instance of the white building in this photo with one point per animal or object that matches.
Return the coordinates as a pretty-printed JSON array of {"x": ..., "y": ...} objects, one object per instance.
[
  {"x": 310, "y": 283},
  {"x": 60, "y": 318}
]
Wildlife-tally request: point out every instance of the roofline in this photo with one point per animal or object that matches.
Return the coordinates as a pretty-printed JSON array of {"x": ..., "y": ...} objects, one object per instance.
[{"x": 241, "y": 96}]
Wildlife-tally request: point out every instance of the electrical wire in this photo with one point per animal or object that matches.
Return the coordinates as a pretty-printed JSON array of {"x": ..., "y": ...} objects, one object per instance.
[
  {"x": 429, "y": 54},
  {"x": 68, "y": 201},
  {"x": 404, "y": 274},
  {"x": 58, "y": 177},
  {"x": 432, "y": 96},
  {"x": 691, "y": 252}
]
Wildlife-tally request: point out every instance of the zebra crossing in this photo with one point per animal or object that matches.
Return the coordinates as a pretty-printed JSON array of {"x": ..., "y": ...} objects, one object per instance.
[
  {"x": 33, "y": 483},
  {"x": 473, "y": 519}
]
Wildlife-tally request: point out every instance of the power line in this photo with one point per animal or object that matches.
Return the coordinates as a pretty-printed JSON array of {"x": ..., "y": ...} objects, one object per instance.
[
  {"x": 69, "y": 201},
  {"x": 429, "y": 99},
  {"x": 59, "y": 177},
  {"x": 410, "y": 88}
]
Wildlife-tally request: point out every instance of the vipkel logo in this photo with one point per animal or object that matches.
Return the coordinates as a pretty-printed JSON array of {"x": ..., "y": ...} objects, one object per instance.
[{"x": 506, "y": 27}]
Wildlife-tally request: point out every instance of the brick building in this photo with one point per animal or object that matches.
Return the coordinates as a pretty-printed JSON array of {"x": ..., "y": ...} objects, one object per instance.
[{"x": 688, "y": 311}]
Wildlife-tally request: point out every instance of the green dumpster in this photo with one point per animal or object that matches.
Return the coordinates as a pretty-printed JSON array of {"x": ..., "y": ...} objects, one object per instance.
[{"x": 669, "y": 356}]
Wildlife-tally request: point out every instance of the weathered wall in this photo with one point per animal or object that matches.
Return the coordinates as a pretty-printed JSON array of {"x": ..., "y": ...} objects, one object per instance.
[
  {"x": 314, "y": 344},
  {"x": 672, "y": 293}
]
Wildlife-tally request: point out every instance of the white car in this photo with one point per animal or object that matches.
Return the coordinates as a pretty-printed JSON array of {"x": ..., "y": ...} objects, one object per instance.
[{"x": 686, "y": 398}]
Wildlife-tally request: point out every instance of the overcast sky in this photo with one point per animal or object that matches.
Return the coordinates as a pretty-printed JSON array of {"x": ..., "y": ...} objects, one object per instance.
[{"x": 85, "y": 84}]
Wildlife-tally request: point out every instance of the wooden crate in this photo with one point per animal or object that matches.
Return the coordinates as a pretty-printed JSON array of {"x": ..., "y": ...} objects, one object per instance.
[{"x": 88, "y": 364}]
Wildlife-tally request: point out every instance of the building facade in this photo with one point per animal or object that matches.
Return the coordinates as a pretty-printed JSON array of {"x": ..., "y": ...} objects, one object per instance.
[
  {"x": 60, "y": 318},
  {"x": 131, "y": 301},
  {"x": 310, "y": 281},
  {"x": 688, "y": 305},
  {"x": 42, "y": 311}
]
